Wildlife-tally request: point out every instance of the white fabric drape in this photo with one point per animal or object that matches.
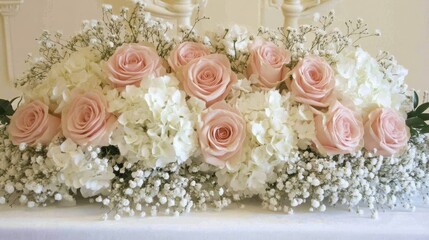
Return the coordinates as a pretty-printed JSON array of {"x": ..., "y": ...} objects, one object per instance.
[{"x": 83, "y": 222}]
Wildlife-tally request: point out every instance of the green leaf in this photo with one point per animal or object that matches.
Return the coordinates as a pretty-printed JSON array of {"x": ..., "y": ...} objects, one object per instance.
[
  {"x": 424, "y": 116},
  {"x": 6, "y": 108},
  {"x": 413, "y": 132},
  {"x": 411, "y": 114},
  {"x": 4, "y": 119},
  {"x": 415, "y": 122},
  {"x": 422, "y": 108},
  {"x": 13, "y": 99},
  {"x": 424, "y": 130},
  {"x": 110, "y": 150},
  {"x": 415, "y": 99}
]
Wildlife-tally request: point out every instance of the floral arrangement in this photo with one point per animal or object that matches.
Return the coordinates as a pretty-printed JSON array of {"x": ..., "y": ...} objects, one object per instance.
[{"x": 143, "y": 121}]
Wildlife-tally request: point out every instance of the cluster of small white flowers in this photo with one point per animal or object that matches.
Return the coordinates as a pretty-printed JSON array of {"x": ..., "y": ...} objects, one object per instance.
[
  {"x": 171, "y": 191},
  {"x": 360, "y": 79},
  {"x": 234, "y": 43},
  {"x": 395, "y": 75},
  {"x": 350, "y": 180},
  {"x": 320, "y": 38},
  {"x": 27, "y": 176},
  {"x": 129, "y": 26},
  {"x": 276, "y": 128},
  {"x": 394, "y": 72},
  {"x": 156, "y": 126},
  {"x": 80, "y": 168},
  {"x": 81, "y": 70}
]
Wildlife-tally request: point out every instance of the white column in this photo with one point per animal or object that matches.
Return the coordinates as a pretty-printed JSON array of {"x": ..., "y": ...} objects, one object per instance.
[
  {"x": 180, "y": 10},
  {"x": 8, "y": 8},
  {"x": 293, "y": 10}
]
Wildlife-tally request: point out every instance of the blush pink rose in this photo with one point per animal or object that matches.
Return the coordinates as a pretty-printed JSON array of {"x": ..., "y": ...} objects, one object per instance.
[
  {"x": 312, "y": 82},
  {"x": 339, "y": 131},
  {"x": 221, "y": 132},
  {"x": 32, "y": 124},
  {"x": 185, "y": 52},
  {"x": 86, "y": 120},
  {"x": 131, "y": 63},
  {"x": 386, "y": 132},
  {"x": 267, "y": 62},
  {"x": 208, "y": 78}
]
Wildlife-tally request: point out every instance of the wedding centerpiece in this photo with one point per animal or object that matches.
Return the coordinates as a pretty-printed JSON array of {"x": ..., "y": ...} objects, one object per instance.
[{"x": 144, "y": 121}]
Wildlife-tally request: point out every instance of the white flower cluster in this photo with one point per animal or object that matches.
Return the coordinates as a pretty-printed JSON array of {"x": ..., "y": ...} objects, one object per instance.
[
  {"x": 276, "y": 128},
  {"x": 27, "y": 176},
  {"x": 233, "y": 42},
  {"x": 351, "y": 180},
  {"x": 360, "y": 79},
  {"x": 156, "y": 126},
  {"x": 81, "y": 70},
  {"x": 171, "y": 190},
  {"x": 81, "y": 168}
]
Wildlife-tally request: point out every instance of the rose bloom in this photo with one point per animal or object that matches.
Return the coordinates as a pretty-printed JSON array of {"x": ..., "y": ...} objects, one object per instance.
[
  {"x": 313, "y": 82},
  {"x": 221, "y": 133},
  {"x": 386, "y": 132},
  {"x": 208, "y": 78},
  {"x": 185, "y": 52},
  {"x": 32, "y": 124},
  {"x": 339, "y": 131},
  {"x": 267, "y": 62},
  {"x": 86, "y": 121},
  {"x": 131, "y": 63}
]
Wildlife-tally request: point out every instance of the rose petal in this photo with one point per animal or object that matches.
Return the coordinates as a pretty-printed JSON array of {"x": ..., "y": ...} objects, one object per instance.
[
  {"x": 32, "y": 123},
  {"x": 221, "y": 132}
]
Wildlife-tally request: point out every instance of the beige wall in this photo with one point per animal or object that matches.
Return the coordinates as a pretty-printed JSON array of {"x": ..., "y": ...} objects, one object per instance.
[
  {"x": 404, "y": 24},
  {"x": 3, "y": 74}
]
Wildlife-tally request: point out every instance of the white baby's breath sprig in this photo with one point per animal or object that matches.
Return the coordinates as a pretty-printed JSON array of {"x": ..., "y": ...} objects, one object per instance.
[
  {"x": 27, "y": 175},
  {"x": 171, "y": 190},
  {"x": 352, "y": 180}
]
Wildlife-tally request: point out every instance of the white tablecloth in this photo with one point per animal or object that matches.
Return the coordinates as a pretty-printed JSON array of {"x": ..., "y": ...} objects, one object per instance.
[{"x": 251, "y": 222}]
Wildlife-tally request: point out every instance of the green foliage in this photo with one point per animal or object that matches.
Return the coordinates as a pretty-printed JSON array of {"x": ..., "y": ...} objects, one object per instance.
[
  {"x": 6, "y": 110},
  {"x": 417, "y": 118},
  {"x": 109, "y": 151}
]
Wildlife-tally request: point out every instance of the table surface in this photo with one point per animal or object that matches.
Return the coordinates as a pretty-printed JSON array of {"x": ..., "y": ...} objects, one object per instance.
[{"x": 251, "y": 222}]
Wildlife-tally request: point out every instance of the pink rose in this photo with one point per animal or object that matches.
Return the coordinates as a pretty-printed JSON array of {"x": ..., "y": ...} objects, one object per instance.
[
  {"x": 208, "y": 78},
  {"x": 185, "y": 52},
  {"x": 386, "y": 132},
  {"x": 339, "y": 131},
  {"x": 221, "y": 132},
  {"x": 131, "y": 63},
  {"x": 32, "y": 124},
  {"x": 313, "y": 82},
  {"x": 267, "y": 62},
  {"x": 86, "y": 120}
]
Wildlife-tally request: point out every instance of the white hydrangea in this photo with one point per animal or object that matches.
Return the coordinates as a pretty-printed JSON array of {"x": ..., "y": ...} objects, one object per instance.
[
  {"x": 80, "y": 168},
  {"x": 276, "y": 127},
  {"x": 360, "y": 80},
  {"x": 156, "y": 126},
  {"x": 82, "y": 69}
]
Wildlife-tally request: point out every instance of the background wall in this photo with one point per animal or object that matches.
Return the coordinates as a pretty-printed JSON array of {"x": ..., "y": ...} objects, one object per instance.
[
  {"x": 403, "y": 23},
  {"x": 3, "y": 68}
]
